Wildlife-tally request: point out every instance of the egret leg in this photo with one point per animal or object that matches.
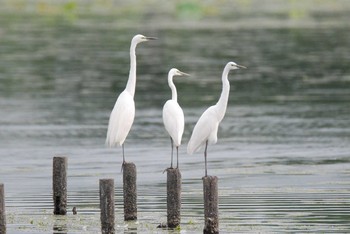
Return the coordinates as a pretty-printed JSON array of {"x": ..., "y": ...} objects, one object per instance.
[
  {"x": 205, "y": 158},
  {"x": 123, "y": 159},
  {"x": 123, "y": 154},
  {"x": 177, "y": 157},
  {"x": 172, "y": 151}
]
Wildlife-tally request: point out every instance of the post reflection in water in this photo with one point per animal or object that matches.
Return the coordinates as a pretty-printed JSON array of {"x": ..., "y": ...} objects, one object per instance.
[
  {"x": 131, "y": 227},
  {"x": 60, "y": 225}
]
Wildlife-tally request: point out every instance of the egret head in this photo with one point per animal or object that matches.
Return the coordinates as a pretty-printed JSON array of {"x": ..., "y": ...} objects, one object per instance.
[
  {"x": 141, "y": 38},
  {"x": 176, "y": 72},
  {"x": 233, "y": 66}
]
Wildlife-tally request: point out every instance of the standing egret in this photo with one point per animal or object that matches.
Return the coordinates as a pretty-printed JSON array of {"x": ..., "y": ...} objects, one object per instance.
[
  {"x": 173, "y": 116},
  {"x": 206, "y": 129},
  {"x": 123, "y": 113}
]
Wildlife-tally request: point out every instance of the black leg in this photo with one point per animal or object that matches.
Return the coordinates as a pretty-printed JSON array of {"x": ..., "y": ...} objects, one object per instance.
[
  {"x": 123, "y": 158},
  {"x": 123, "y": 154},
  {"x": 205, "y": 158},
  {"x": 172, "y": 152},
  {"x": 177, "y": 157}
]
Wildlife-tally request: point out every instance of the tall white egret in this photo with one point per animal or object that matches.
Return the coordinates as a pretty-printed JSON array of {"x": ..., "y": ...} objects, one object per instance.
[
  {"x": 123, "y": 113},
  {"x": 173, "y": 116},
  {"x": 205, "y": 130}
]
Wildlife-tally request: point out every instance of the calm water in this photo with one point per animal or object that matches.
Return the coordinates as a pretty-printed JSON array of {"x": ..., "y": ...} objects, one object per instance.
[{"x": 283, "y": 155}]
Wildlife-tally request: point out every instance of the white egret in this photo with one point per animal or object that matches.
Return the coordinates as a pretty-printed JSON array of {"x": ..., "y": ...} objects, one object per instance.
[
  {"x": 205, "y": 130},
  {"x": 173, "y": 116},
  {"x": 123, "y": 113}
]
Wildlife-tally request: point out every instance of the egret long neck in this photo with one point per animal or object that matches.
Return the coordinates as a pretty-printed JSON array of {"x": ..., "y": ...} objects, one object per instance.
[
  {"x": 130, "y": 86},
  {"x": 172, "y": 87},
  {"x": 222, "y": 103}
]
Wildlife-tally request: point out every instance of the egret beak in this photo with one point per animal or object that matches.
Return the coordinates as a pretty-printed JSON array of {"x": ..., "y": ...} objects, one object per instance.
[
  {"x": 240, "y": 66},
  {"x": 183, "y": 74},
  {"x": 151, "y": 38}
]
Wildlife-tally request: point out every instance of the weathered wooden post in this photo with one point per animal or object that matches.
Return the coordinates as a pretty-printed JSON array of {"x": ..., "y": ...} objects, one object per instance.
[
  {"x": 59, "y": 185},
  {"x": 173, "y": 197},
  {"x": 2, "y": 210},
  {"x": 107, "y": 206},
  {"x": 130, "y": 191},
  {"x": 211, "y": 216}
]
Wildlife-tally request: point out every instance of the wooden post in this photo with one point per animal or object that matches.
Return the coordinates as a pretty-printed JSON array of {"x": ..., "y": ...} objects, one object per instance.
[
  {"x": 211, "y": 217},
  {"x": 2, "y": 209},
  {"x": 107, "y": 205},
  {"x": 130, "y": 191},
  {"x": 59, "y": 184},
  {"x": 173, "y": 197}
]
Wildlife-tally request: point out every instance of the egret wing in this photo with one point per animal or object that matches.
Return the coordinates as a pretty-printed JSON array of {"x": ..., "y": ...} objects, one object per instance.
[
  {"x": 121, "y": 119},
  {"x": 174, "y": 121},
  {"x": 203, "y": 130}
]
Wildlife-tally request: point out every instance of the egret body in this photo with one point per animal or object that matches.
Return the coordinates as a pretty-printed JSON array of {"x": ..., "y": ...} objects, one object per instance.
[
  {"x": 173, "y": 116},
  {"x": 205, "y": 130},
  {"x": 123, "y": 113}
]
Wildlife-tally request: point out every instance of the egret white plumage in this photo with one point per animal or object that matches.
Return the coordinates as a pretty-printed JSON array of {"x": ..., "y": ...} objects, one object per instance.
[
  {"x": 123, "y": 113},
  {"x": 205, "y": 130},
  {"x": 173, "y": 116}
]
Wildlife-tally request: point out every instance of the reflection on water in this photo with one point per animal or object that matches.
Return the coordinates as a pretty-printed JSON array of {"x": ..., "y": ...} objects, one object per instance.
[
  {"x": 60, "y": 225},
  {"x": 283, "y": 152}
]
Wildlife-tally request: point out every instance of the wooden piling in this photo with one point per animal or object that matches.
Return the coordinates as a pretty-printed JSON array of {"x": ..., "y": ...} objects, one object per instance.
[
  {"x": 2, "y": 209},
  {"x": 211, "y": 217},
  {"x": 173, "y": 197},
  {"x": 130, "y": 191},
  {"x": 59, "y": 185},
  {"x": 107, "y": 206}
]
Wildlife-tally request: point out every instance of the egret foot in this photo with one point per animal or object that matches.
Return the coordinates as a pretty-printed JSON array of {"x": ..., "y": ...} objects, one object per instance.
[
  {"x": 167, "y": 169},
  {"x": 123, "y": 164}
]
